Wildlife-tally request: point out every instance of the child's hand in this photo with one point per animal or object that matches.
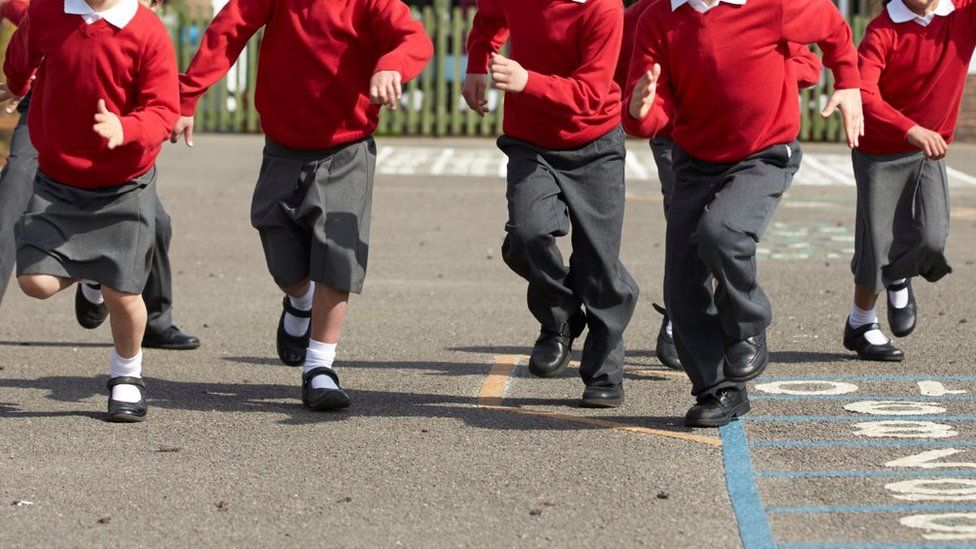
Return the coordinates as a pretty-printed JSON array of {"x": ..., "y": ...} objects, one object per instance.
[
  {"x": 8, "y": 99},
  {"x": 849, "y": 103},
  {"x": 385, "y": 89},
  {"x": 930, "y": 142},
  {"x": 184, "y": 127},
  {"x": 644, "y": 92},
  {"x": 473, "y": 91},
  {"x": 507, "y": 74},
  {"x": 108, "y": 125}
]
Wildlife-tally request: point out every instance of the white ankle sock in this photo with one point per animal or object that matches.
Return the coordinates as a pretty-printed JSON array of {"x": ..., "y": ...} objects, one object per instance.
[
  {"x": 860, "y": 317},
  {"x": 318, "y": 355},
  {"x": 92, "y": 291},
  {"x": 125, "y": 367},
  {"x": 899, "y": 299},
  {"x": 295, "y": 326},
  {"x": 669, "y": 329}
]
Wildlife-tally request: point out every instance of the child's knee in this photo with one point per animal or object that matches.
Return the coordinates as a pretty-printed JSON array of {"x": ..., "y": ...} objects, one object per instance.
[
  {"x": 38, "y": 286},
  {"x": 296, "y": 290}
]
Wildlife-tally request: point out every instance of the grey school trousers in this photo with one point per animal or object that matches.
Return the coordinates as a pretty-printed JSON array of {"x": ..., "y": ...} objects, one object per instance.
[
  {"x": 549, "y": 193},
  {"x": 718, "y": 214},
  {"x": 902, "y": 219}
]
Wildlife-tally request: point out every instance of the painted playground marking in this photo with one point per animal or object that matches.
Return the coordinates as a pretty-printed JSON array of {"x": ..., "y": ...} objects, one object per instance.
[
  {"x": 926, "y": 472},
  {"x": 493, "y": 389}
]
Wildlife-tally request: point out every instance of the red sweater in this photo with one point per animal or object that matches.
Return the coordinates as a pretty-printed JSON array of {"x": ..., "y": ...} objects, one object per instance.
[
  {"x": 914, "y": 75},
  {"x": 726, "y": 85},
  {"x": 133, "y": 69},
  {"x": 805, "y": 64},
  {"x": 570, "y": 50},
  {"x": 14, "y": 10},
  {"x": 315, "y": 63}
]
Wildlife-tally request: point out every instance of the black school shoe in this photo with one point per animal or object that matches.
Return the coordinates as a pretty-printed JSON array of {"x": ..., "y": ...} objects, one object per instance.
[
  {"x": 170, "y": 339},
  {"x": 551, "y": 353},
  {"x": 89, "y": 315},
  {"x": 323, "y": 400},
  {"x": 127, "y": 412},
  {"x": 291, "y": 349},
  {"x": 666, "y": 352},
  {"x": 902, "y": 321},
  {"x": 854, "y": 340},
  {"x": 746, "y": 359},
  {"x": 718, "y": 409},
  {"x": 602, "y": 397}
]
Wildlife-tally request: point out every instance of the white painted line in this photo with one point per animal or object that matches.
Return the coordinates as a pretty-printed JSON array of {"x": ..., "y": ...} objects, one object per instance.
[
  {"x": 962, "y": 176},
  {"x": 384, "y": 153},
  {"x": 833, "y": 173},
  {"x": 438, "y": 167},
  {"x": 503, "y": 169},
  {"x": 640, "y": 172}
]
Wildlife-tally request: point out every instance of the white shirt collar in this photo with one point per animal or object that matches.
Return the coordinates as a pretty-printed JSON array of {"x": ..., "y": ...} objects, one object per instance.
[
  {"x": 702, "y": 6},
  {"x": 900, "y": 13},
  {"x": 118, "y": 15}
]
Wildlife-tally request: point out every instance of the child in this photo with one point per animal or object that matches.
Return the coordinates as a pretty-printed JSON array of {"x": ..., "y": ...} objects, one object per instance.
[
  {"x": 735, "y": 153},
  {"x": 913, "y": 62},
  {"x": 565, "y": 170},
  {"x": 16, "y": 182},
  {"x": 324, "y": 70},
  {"x": 807, "y": 68},
  {"x": 93, "y": 210}
]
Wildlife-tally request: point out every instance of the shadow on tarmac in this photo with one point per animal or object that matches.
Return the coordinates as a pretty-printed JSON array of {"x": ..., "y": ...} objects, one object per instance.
[{"x": 58, "y": 344}]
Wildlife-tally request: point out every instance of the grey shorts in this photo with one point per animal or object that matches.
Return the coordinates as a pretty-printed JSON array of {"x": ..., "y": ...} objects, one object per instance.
[
  {"x": 105, "y": 235},
  {"x": 902, "y": 219},
  {"x": 312, "y": 210}
]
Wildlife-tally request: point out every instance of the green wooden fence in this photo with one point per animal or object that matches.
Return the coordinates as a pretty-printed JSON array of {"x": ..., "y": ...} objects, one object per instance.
[{"x": 432, "y": 104}]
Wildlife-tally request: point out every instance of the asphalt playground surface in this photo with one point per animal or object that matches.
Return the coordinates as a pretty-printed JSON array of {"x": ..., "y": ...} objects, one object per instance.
[{"x": 450, "y": 443}]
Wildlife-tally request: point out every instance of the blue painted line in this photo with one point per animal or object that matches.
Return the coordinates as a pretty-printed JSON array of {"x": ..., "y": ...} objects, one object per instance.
[
  {"x": 861, "y": 444},
  {"x": 797, "y": 419},
  {"x": 753, "y": 526},
  {"x": 857, "y": 397},
  {"x": 867, "y": 378},
  {"x": 868, "y": 474},
  {"x": 872, "y": 509},
  {"x": 874, "y": 545}
]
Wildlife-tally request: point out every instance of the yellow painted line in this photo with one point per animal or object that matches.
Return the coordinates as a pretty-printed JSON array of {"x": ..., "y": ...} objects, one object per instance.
[
  {"x": 493, "y": 388},
  {"x": 963, "y": 213},
  {"x": 656, "y": 372}
]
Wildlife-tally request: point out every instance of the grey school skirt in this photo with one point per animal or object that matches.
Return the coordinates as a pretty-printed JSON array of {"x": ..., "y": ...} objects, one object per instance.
[{"x": 105, "y": 235}]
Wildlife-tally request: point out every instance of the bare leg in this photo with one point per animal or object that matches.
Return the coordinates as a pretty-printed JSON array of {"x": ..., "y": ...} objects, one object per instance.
[
  {"x": 43, "y": 286},
  {"x": 127, "y": 315},
  {"x": 865, "y": 298},
  {"x": 298, "y": 290},
  {"x": 328, "y": 312}
]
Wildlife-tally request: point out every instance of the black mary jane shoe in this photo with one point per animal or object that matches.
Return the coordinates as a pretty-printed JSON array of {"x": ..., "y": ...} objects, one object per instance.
[
  {"x": 902, "y": 321},
  {"x": 602, "y": 397},
  {"x": 666, "y": 352},
  {"x": 746, "y": 359},
  {"x": 718, "y": 409},
  {"x": 170, "y": 339},
  {"x": 291, "y": 349},
  {"x": 551, "y": 352},
  {"x": 127, "y": 412},
  {"x": 89, "y": 315},
  {"x": 323, "y": 400},
  {"x": 854, "y": 340}
]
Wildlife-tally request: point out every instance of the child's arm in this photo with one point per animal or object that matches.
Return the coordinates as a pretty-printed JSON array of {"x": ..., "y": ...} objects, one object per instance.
[
  {"x": 14, "y": 10},
  {"x": 818, "y": 21},
  {"x": 22, "y": 60},
  {"x": 873, "y": 52},
  {"x": 222, "y": 44},
  {"x": 488, "y": 33},
  {"x": 806, "y": 66},
  {"x": 647, "y": 96},
  {"x": 156, "y": 104},
  {"x": 583, "y": 92},
  {"x": 406, "y": 46}
]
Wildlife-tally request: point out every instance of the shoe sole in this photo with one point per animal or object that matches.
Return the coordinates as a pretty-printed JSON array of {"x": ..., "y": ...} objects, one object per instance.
[
  {"x": 169, "y": 347},
  {"x": 331, "y": 405},
  {"x": 749, "y": 377},
  {"x": 126, "y": 418},
  {"x": 601, "y": 402},
  {"x": 898, "y": 358},
  {"x": 737, "y": 412},
  {"x": 553, "y": 373}
]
